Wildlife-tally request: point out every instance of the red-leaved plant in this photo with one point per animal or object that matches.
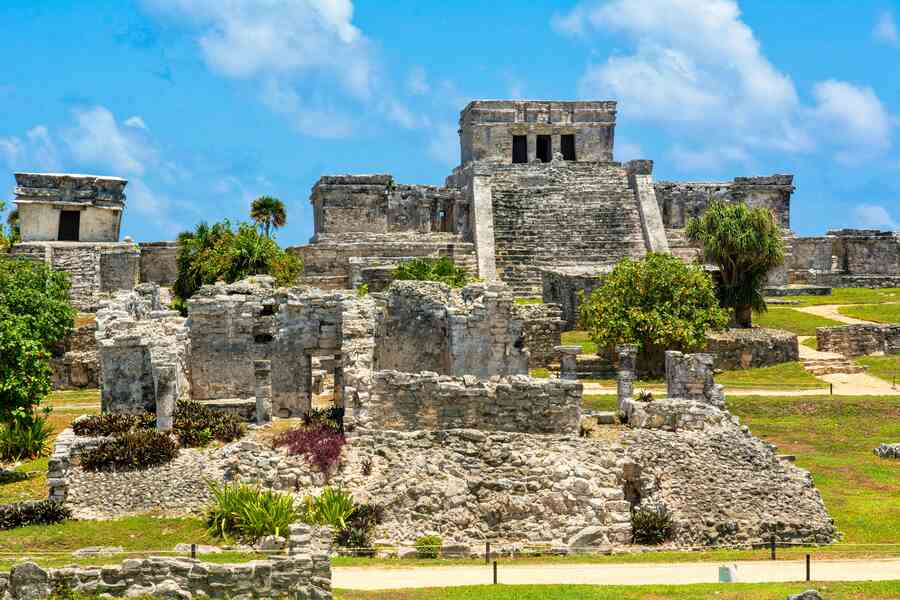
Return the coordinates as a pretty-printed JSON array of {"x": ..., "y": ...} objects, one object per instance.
[{"x": 320, "y": 444}]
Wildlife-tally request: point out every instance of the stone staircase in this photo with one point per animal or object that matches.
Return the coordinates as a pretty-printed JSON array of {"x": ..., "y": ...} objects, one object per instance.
[{"x": 831, "y": 365}]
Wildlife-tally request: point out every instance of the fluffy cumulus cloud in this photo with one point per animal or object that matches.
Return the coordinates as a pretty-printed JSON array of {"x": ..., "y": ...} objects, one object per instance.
[
  {"x": 98, "y": 139},
  {"x": 874, "y": 216},
  {"x": 886, "y": 29},
  {"x": 36, "y": 151},
  {"x": 853, "y": 115},
  {"x": 698, "y": 70},
  {"x": 311, "y": 63}
]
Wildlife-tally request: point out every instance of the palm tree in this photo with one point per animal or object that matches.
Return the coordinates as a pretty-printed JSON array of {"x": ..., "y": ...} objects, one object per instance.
[
  {"x": 268, "y": 212},
  {"x": 746, "y": 243}
]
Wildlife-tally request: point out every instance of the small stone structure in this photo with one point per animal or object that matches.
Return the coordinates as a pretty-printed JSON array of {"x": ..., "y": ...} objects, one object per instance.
[
  {"x": 428, "y": 401},
  {"x": 888, "y": 451},
  {"x": 859, "y": 340},
  {"x": 568, "y": 362},
  {"x": 159, "y": 262},
  {"x": 299, "y": 576},
  {"x": 541, "y": 332},
  {"x": 751, "y": 348},
  {"x": 566, "y": 286},
  {"x": 76, "y": 362},
  {"x": 690, "y": 376}
]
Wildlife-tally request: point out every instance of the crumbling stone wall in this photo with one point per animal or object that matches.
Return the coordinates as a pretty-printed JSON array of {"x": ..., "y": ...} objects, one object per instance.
[
  {"x": 751, "y": 348},
  {"x": 679, "y": 201},
  {"x": 690, "y": 376},
  {"x": 76, "y": 362},
  {"x": 407, "y": 401},
  {"x": 565, "y": 285},
  {"x": 846, "y": 258},
  {"x": 427, "y": 326},
  {"x": 542, "y": 330},
  {"x": 159, "y": 262},
  {"x": 97, "y": 269},
  {"x": 300, "y": 576},
  {"x": 137, "y": 338},
  {"x": 859, "y": 340}
]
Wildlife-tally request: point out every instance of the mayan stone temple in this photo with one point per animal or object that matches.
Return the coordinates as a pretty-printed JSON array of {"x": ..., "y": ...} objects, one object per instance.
[{"x": 445, "y": 428}]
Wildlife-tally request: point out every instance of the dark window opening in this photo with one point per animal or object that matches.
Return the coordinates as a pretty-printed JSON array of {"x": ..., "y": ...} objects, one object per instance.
[
  {"x": 543, "y": 148},
  {"x": 268, "y": 310},
  {"x": 69, "y": 224},
  {"x": 520, "y": 149},
  {"x": 567, "y": 146},
  {"x": 263, "y": 338}
]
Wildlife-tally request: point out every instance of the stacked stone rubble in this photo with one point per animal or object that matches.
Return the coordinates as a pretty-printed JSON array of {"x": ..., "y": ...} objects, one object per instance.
[
  {"x": 859, "y": 340},
  {"x": 542, "y": 330}
]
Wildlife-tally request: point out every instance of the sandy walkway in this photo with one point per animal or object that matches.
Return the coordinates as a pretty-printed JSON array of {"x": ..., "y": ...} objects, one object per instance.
[
  {"x": 830, "y": 311},
  {"x": 365, "y": 578},
  {"x": 659, "y": 390}
]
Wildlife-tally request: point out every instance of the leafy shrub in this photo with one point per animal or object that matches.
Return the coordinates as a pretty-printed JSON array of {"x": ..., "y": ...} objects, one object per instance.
[
  {"x": 643, "y": 396},
  {"x": 131, "y": 450},
  {"x": 658, "y": 303},
  {"x": 196, "y": 424},
  {"x": 221, "y": 252},
  {"x": 24, "y": 438},
  {"x": 333, "y": 417},
  {"x": 112, "y": 424},
  {"x": 332, "y": 507},
  {"x": 650, "y": 526},
  {"x": 42, "y": 512},
  {"x": 428, "y": 546},
  {"x": 357, "y": 534},
  {"x": 362, "y": 290},
  {"x": 249, "y": 513},
  {"x": 319, "y": 443},
  {"x": 442, "y": 269}
]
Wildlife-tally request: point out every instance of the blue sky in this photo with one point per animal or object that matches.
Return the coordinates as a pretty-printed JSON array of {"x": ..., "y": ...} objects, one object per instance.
[{"x": 205, "y": 104}]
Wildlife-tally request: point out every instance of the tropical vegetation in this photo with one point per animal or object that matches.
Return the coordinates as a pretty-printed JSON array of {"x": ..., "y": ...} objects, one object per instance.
[
  {"x": 268, "y": 213},
  {"x": 441, "y": 269}
]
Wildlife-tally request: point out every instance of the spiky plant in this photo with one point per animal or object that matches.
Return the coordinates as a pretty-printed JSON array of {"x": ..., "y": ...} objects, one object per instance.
[
  {"x": 268, "y": 213},
  {"x": 746, "y": 243}
]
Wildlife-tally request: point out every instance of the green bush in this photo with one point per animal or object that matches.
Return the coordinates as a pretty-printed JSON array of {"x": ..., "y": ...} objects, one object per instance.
[
  {"x": 249, "y": 513},
  {"x": 196, "y": 424},
  {"x": 41, "y": 512},
  {"x": 430, "y": 269},
  {"x": 332, "y": 507},
  {"x": 357, "y": 535},
  {"x": 658, "y": 303},
  {"x": 650, "y": 527},
  {"x": 222, "y": 252},
  {"x": 111, "y": 424},
  {"x": 428, "y": 546},
  {"x": 24, "y": 438},
  {"x": 131, "y": 450}
]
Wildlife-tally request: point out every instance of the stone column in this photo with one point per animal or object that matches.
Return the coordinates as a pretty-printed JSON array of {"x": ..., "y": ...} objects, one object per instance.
[
  {"x": 262, "y": 370},
  {"x": 166, "y": 382},
  {"x": 568, "y": 361},
  {"x": 625, "y": 375}
]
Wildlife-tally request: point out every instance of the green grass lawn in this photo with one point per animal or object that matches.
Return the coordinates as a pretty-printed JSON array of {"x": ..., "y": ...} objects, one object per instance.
[
  {"x": 880, "y": 313},
  {"x": 833, "y": 438},
  {"x": 868, "y": 590},
  {"x": 811, "y": 342},
  {"x": 885, "y": 367},
  {"x": 579, "y": 338},
  {"x": 800, "y": 323},
  {"x": 790, "y": 375},
  {"x": 529, "y": 300},
  {"x": 851, "y": 296},
  {"x": 602, "y": 402}
]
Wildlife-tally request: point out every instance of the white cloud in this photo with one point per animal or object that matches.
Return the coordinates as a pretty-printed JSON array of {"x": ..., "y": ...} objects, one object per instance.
[
  {"x": 886, "y": 29},
  {"x": 444, "y": 145},
  {"x": 97, "y": 139},
  {"x": 136, "y": 122},
  {"x": 37, "y": 152},
  {"x": 855, "y": 114},
  {"x": 874, "y": 216},
  {"x": 417, "y": 82},
  {"x": 698, "y": 70}
]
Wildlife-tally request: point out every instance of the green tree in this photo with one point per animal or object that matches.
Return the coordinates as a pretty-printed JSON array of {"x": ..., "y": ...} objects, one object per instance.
[
  {"x": 430, "y": 269},
  {"x": 268, "y": 213},
  {"x": 35, "y": 315},
  {"x": 222, "y": 252},
  {"x": 12, "y": 221},
  {"x": 746, "y": 243},
  {"x": 658, "y": 303}
]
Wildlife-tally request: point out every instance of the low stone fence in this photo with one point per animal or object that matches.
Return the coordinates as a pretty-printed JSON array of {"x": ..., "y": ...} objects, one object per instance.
[
  {"x": 751, "y": 348},
  {"x": 859, "y": 340},
  {"x": 541, "y": 329},
  {"x": 417, "y": 401},
  {"x": 301, "y": 576},
  {"x": 67, "y": 447}
]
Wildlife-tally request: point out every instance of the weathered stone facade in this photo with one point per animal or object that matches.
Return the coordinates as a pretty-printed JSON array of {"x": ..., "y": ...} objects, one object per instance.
[
  {"x": 541, "y": 330},
  {"x": 859, "y": 340},
  {"x": 565, "y": 286},
  {"x": 76, "y": 362},
  {"x": 888, "y": 451},
  {"x": 751, "y": 348},
  {"x": 138, "y": 339},
  {"x": 159, "y": 262},
  {"x": 846, "y": 258},
  {"x": 428, "y": 401},
  {"x": 300, "y": 576}
]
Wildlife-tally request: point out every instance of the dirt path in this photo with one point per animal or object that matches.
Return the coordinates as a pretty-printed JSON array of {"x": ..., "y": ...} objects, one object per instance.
[
  {"x": 830, "y": 311},
  {"x": 374, "y": 578},
  {"x": 659, "y": 390}
]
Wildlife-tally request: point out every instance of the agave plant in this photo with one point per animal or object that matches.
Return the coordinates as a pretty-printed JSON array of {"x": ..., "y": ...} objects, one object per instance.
[{"x": 332, "y": 507}]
